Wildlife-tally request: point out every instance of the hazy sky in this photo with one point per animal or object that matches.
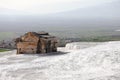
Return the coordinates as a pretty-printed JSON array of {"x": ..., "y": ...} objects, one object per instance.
[
  {"x": 48, "y": 6},
  {"x": 15, "y": 14}
]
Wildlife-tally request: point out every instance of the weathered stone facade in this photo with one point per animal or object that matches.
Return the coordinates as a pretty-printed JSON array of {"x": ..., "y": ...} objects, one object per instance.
[{"x": 33, "y": 42}]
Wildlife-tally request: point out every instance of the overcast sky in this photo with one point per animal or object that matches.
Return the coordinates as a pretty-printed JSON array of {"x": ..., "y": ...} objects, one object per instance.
[
  {"x": 48, "y": 6},
  {"x": 15, "y": 14}
]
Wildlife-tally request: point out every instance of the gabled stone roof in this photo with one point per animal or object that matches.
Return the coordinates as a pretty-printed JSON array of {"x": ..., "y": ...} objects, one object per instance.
[{"x": 42, "y": 34}]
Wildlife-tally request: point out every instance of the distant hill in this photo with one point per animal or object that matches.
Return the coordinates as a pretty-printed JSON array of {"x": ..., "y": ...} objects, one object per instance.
[
  {"x": 110, "y": 10},
  {"x": 5, "y": 12},
  {"x": 106, "y": 16}
]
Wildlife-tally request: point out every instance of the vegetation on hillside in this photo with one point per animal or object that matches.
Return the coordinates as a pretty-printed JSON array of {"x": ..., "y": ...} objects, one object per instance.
[
  {"x": 63, "y": 41},
  {"x": 3, "y": 50}
]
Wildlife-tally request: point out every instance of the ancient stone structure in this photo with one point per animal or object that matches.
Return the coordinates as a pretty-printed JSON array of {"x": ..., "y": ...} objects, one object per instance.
[{"x": 33, "y": 42}]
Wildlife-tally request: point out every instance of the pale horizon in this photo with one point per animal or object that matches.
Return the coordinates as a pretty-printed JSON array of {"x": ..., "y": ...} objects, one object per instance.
[{"x": 47, "y": 6}]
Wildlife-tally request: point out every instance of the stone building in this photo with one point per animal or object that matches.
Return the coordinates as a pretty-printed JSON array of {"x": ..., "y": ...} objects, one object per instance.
[{"x": 33, "y": 42}]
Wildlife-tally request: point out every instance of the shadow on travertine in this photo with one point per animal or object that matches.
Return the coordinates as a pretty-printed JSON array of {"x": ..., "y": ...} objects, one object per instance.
[{"x": 49, "y": 54}]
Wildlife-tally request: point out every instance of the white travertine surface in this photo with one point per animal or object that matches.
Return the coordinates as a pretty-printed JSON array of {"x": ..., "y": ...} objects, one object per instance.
[{"x": 100, "y": 62}]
